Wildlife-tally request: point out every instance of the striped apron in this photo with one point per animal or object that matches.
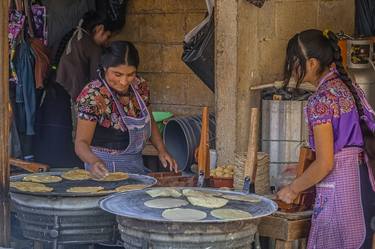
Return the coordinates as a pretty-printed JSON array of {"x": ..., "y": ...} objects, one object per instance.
[
  {"x": 338, "y": 220},
  {"x": 129, "y": 160}
]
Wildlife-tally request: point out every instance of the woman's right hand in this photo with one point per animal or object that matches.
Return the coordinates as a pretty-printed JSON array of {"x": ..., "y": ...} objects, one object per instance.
[{"x": 98, "y": 170}]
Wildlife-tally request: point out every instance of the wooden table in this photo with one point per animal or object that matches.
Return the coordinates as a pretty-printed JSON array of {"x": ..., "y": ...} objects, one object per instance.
[{"x": 286, "y": 228}]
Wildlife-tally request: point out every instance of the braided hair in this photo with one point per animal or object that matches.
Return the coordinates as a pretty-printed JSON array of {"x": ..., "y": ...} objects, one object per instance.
[{"x": 324, "y": 47}]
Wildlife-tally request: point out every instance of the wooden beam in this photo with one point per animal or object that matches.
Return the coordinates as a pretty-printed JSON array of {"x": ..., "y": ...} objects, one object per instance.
[
  {"x": 226, "y": 36},
  {"x": 4, "y": 127}
]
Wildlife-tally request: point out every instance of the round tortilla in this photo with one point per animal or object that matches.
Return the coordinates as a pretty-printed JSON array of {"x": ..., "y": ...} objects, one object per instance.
[
  {"x": 183, "y": 214},
  {"x": 163, "y": 192},
  {"x": 199, "y": 193},
  {"x": 113, "y": 177},
  {"x": 84, "y": 189},
  {"x": 207, "y": 201},
  {"x": 125, "y": 188},
  {"x": 76, "y": 175},
  {"x": 230, "y": 214},
  {"x": 31, "y": 187},
  {"x": 165, "y": 203},
  {"x": 42, "y": 178},
  {"x": 246, "y": 198}
]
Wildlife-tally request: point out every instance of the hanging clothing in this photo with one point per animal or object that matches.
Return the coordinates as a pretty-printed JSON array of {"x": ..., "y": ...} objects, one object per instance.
[
  {"x": 15, "y": 28},
  {"x": 365, "y": 17},
  {"x": 25, "y": 89},
  {"x": 338, "y": 219},
  {"x": 40, "y": 22},
  {"x": 79, "y": 66},
  {"x": 138, "y": 129},
  {"x": 41, "y": 62}
]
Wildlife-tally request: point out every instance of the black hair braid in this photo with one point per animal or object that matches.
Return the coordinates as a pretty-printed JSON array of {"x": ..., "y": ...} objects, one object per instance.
[{"x": 368, "y": 135}]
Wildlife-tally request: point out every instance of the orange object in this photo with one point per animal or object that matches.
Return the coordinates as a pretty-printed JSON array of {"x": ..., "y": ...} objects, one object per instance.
[
  {"x": 344, "y": 51},
  {"x": 204, "y": 149},
  {"x": 221, "y": 182}
]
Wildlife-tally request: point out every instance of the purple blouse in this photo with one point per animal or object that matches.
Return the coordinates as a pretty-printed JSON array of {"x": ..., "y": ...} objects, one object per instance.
[{"x": 333, "y": 103}]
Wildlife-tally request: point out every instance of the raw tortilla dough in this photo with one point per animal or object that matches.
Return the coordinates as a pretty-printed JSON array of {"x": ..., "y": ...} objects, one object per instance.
[
  {"x": 165, "y": 203},
  {"x": 76, "y": 175},
  {"x": 183, "y": 214},
  {"x": 163, "y": 192},
  {"x": 42, "y": 178},
  {"x": 230, "y": 214},
  {"x": 125, "y": 188},
  {"x": 246, "y": 198},
  {"x": 30, "y": 187},
  {"x": 84, "y": 189},
  {"x": 112, "y": 177},
  {"x": 207, "y": 201}
]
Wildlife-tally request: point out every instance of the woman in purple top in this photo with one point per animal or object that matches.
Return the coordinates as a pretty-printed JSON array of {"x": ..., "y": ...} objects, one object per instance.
[{"x": 341, "y": 127}]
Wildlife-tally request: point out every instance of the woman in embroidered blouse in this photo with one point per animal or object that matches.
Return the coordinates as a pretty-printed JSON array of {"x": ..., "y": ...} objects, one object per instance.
[
  {"x": 341, "y": 127},
  {"x": 114, "y": 120}
]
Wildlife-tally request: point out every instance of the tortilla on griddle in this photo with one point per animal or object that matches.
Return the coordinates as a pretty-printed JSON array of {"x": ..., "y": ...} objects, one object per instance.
[
  {"x": 165, "y": 203},
  {"x": 125, "y": 188},
  {"x": 199, "y": 193},
  {"x": 76, "y": 175},
  {"x": 183, "y": 214},
  {"x": 230, "y": 214},
  {"x": 164, "y": 192},
  {"x": 246, "y": 198},
  {"x": 84, "y": 189},
  {"x": 42, "y": 178},
  {"x": 31, "y": 187},
  {"x": 113, "y": 177},
  {"x": 207, "y": 201}
]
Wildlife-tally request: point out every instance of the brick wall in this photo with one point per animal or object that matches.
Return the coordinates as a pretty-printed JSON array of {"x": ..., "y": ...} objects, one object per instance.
[
  {"x": 279, "y": 20},
  {"x": 157, "y": 27}
]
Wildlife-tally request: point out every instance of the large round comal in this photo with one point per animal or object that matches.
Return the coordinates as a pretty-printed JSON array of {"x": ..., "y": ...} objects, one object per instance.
[{"x": 143, "y": 227}]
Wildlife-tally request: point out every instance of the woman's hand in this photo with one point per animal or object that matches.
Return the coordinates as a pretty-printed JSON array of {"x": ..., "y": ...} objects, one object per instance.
[
  {"x": 98, "y": 170},
  {"x": 167, "y": 160},
  {"x": 287, "y": 194}
]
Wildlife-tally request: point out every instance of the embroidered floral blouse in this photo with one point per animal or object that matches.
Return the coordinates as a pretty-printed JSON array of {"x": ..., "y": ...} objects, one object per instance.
[
  {"x": 95, "y": 103},
  {"x": 333, "y": 103}
]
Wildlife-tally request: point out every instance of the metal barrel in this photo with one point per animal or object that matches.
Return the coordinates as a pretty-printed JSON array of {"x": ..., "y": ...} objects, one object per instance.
[
  {"x": 181, "y": 137},
  {"x": 140, "y": 234},
  {"x": 284, "y": 131}
]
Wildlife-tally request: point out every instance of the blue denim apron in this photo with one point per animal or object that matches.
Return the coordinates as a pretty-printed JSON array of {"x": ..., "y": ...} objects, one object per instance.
[{"x": 129, "y": 160}]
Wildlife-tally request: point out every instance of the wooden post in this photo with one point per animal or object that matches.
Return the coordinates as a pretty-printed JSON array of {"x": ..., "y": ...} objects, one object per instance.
[
  {"x": 226, "y": 36},
  {"x": 4, "y": 127}
]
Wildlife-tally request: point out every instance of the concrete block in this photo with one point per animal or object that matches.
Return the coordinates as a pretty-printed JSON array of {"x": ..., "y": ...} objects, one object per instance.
[
  {"x": 131, "y": 30},
  {"x": 337, "y": 15},
  {"x": 172, "y": 62},
  {"x": 163, "y": 28},
  {"x": 178, "y": 110},
  {"x": 167, "y": 88},
  {"x": 267, "y": 21},
  {"x": 198, "y": 94},
  {"x": 271, "y": 59},
  {"x": 293, "y": 17},
  {"x": 185, "y": 6},
  {"x": 146, "y": 6},
  {"x": 150, "y": 57},
  {"x": 192, "y": 20}
]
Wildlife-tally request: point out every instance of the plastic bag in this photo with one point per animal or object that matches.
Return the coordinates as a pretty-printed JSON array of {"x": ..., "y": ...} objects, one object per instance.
[{"x": 199, "y": 49}]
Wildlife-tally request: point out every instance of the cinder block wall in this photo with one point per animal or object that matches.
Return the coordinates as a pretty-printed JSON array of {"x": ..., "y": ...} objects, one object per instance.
[
  {"x": 279, "y": 20},
  {"x": 157, "y": 27}
]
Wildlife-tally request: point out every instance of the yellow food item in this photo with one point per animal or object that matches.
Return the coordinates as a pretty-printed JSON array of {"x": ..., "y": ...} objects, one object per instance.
[
  {"x": 112, "y": 177},
  {"x": 230, "y": 214},
  {"x": 125, "y": 188},
  {"x": 42, "y": 178},
  {"x": 76, "y": 175},
  {"x": 30, "y": 187}
]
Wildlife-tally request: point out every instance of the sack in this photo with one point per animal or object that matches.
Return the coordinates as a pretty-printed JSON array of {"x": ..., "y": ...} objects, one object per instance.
[{"x": 199, "y": 49}]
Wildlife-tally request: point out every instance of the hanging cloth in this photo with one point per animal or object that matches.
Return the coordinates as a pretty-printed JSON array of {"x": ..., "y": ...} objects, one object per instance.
[
  {"x": 41, "y": 61},
  {"x": 25, "y": 89},
  {"x": 77, "y": 33},
  {"x": 365, "y": 17},
  {"x": 39, "y": 18}
]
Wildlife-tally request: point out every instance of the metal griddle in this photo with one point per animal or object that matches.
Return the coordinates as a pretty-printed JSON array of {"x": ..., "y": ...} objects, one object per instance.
[
  {"x": 59, "y": 188},
  {"x": 131, "y": 205}
]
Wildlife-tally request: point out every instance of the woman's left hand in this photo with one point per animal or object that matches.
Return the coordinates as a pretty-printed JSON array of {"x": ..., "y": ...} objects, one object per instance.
[
  {"x": 287, "y": 194},
  {"x": 167, "y": 160}
]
